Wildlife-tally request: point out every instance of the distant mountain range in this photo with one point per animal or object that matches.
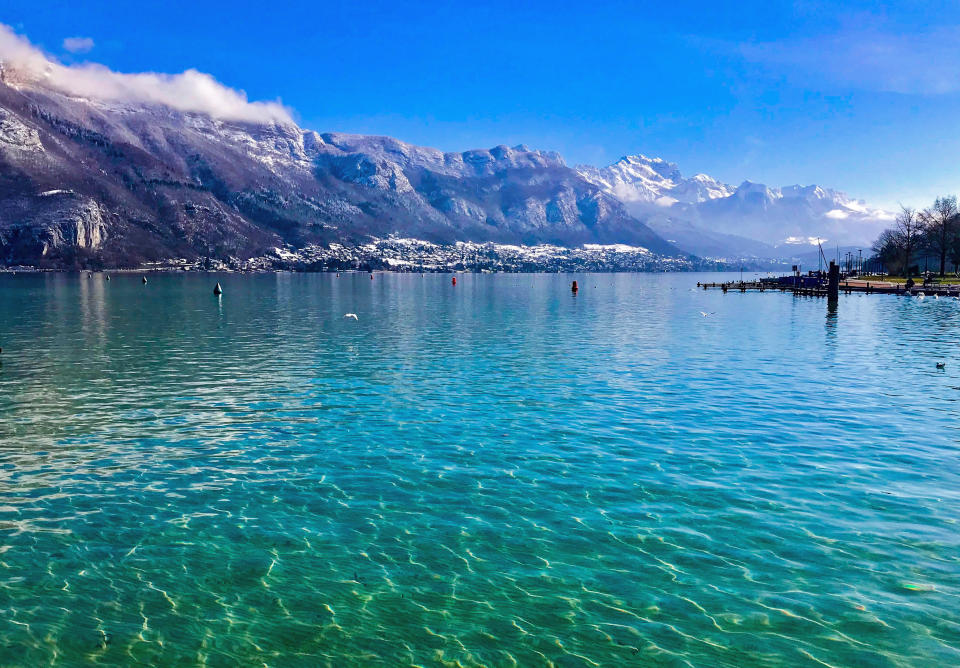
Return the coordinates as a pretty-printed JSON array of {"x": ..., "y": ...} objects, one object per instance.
[
  {"x": 136, "y": 183},
  {"x": 710, "y": 218},
  {"x": 100, "y": 168},
  {"x": 129, "y": 184}
]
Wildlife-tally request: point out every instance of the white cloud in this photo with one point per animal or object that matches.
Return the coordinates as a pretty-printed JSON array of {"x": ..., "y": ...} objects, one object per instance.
[
  {"x": 190, "y": 91},
  {"x": 837, "y": 214},
  {"x": 78, "y": 44},
  {"x": 804, "y": 241}
]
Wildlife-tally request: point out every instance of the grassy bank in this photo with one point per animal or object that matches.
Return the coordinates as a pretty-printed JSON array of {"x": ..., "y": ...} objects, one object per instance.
[{"x": 946, "y": 280}]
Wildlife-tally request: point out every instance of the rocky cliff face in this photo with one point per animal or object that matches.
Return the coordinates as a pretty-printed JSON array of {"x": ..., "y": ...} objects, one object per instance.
[
  {"x": 53, "y": 222},
  {"x": 84, "y": 181}
]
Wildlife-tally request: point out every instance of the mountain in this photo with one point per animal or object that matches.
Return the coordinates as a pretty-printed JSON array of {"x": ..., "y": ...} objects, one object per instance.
[
  {"x": 105, "y": 168},
  {"x": 118, "y": 181},
  {"x": 713, "y": 219},
  {"x": 639, "y": 179}
]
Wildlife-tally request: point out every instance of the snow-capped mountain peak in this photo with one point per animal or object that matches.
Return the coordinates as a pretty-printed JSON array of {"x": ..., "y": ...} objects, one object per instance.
[
  {"x": 638, "y": 178},
  {"x": 708, "y": 216},
  {"x": 700, "y": 188},
  {"x": 749, "y": 189}
]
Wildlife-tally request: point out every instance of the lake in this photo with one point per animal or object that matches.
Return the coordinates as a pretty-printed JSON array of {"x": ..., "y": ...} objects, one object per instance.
[{"x": 494, "y": 473}]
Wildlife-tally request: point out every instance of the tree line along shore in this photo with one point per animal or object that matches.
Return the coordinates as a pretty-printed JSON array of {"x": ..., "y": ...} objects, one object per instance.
[{"x": 921, "y": 241}]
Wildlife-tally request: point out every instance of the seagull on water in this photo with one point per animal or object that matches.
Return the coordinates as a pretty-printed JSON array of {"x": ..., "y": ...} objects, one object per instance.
[{"x": 351, "y": 315}]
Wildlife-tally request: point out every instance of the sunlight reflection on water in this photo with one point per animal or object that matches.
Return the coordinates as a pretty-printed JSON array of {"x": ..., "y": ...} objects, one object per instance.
[{"x": 490, "y": 473}]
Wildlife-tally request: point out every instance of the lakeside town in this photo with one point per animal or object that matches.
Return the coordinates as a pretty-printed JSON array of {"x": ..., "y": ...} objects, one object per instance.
[{"x": 414, "y": 255}]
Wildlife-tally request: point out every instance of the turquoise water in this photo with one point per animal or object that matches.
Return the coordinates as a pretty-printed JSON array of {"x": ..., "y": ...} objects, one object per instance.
[{"x": 497, "y": 473}]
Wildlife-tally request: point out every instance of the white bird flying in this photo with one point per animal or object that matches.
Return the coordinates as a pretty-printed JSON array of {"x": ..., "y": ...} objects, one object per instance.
[
  {"x": 351, "y": 315},
  {"x": 705, "y": 314}
]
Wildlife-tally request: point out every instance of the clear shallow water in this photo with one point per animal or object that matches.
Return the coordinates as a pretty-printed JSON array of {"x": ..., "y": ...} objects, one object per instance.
[{"x": 493, "y": 474}]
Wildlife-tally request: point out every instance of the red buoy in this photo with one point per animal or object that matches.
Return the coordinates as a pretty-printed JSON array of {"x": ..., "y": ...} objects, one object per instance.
[
  {"x": 574, "y": 287},
  {"x": 454, "y": 280}
]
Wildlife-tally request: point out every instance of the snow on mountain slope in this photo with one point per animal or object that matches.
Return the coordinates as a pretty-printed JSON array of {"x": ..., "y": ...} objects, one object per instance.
[
  {"x": 116, "y": 182},
  {"x": 700, "y": 188},
  {"x": 101, "y": 166},
  {"x": 637, "y": 178},
  {"x": 712, "y": 218}
]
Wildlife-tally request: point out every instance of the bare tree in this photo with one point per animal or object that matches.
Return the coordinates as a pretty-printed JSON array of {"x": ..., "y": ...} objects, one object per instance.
[
  {"x": 954, "y": 255},
  {"x": 908, "y": 230},
  {"x": 940, "y": 224},
  {"x": 887, "y": 250}
]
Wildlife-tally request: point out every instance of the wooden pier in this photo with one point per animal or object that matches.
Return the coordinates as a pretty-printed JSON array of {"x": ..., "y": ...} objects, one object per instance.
[{"x": 846, "y": 287}]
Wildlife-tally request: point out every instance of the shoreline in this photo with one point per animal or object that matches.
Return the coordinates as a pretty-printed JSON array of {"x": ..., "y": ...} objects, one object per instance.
[
  {"x": 175, "y": 270},
  {"x": 413, "y": 255}
]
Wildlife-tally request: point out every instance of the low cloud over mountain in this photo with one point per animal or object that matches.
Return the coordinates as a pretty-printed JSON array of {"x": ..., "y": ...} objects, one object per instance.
[
  {"x": 98, "y": 166},
  {"x": 190, "y": 91}
]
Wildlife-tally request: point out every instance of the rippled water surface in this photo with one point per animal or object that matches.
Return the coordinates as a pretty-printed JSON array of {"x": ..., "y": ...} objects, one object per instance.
[{"x": 497, "y": 473}]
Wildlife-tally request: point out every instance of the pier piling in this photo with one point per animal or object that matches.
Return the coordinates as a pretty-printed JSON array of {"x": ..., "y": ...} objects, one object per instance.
[{"x": 833, "y": 282}]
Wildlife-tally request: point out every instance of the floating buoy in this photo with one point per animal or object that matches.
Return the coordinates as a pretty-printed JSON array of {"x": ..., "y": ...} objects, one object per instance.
[
  {"x": 371, "y": 276},
  {"x": 574, "y": 287},
  {"x": 217, "y": 290},
  {"x": 454, "y": 281},
  {"x": 108, "y": 277},
  {"x": 144, "y": 280}
]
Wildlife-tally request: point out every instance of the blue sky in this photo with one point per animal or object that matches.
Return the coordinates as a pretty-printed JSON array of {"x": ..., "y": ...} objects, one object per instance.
[{"x": 852, "y": 96}]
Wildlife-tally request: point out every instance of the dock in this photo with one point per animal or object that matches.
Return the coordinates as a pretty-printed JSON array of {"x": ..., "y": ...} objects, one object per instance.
[{"x": 819, "y": 289}]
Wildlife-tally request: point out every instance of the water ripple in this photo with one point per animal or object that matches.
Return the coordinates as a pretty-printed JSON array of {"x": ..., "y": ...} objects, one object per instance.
[{"x": 498, "y": 473}]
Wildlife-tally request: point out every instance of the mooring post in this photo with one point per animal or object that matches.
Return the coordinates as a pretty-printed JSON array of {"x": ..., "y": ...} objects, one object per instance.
[{"x": 833, "y": 282}]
